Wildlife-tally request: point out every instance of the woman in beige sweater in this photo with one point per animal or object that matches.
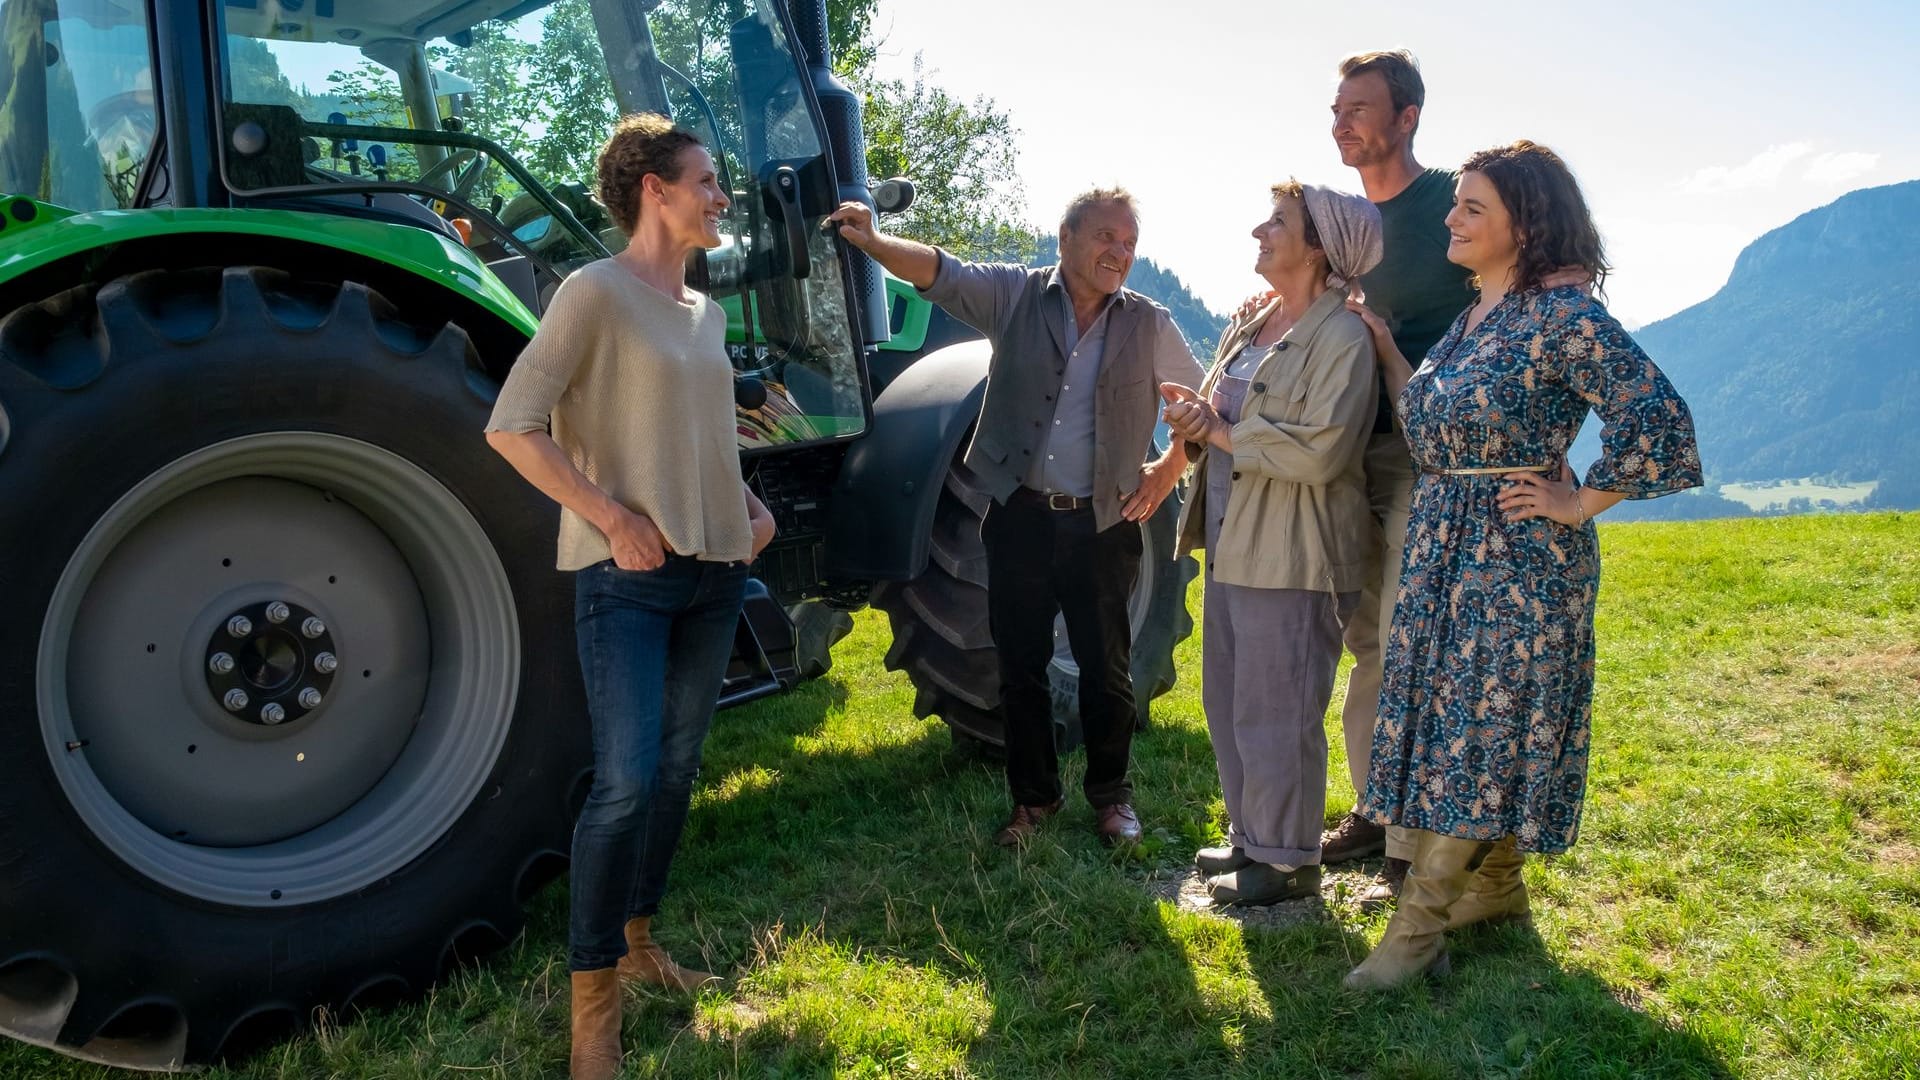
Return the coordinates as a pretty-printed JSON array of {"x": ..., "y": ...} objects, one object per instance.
[
  {"x": 1280, "y": 503},
  {"x": 630, "y": 375}
]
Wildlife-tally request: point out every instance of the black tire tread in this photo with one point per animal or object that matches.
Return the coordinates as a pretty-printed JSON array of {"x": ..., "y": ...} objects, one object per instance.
[{"x": 182, "y": 333}]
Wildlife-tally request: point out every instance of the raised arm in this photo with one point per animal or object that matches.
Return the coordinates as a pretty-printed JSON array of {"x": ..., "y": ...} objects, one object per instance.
[{"x": 909, "y": 260}]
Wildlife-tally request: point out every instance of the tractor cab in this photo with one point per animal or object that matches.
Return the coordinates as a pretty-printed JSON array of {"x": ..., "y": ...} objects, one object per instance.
[{"x": 479, "y": 121}]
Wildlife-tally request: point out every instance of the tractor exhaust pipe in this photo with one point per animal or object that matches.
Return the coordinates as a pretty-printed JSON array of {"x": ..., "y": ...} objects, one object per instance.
[{"x": 847, "y": 143}]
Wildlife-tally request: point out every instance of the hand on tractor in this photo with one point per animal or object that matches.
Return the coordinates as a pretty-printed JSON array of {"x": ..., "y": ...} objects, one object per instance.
[
  {"x": 637, "y": 543},
  {"x": 856, "y": 224}
]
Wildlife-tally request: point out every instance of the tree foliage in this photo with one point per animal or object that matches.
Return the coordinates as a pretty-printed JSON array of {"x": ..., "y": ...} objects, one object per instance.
[{"x": 960, "y": 156}]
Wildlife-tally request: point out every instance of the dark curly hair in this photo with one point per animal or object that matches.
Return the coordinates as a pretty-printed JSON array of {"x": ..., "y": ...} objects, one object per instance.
[
  {"x": 641, "y": 143},
  {"x": 1551, "y": 222}
]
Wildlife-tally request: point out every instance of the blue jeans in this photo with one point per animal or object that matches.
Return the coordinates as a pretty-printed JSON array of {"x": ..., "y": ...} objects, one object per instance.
[{"x": 654, "y": 646}]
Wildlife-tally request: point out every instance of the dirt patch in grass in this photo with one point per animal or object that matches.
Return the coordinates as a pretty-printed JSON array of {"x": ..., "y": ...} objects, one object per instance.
[
  {"x": 1340, "y": 890},
  {"x": 1897, "y": 853}
]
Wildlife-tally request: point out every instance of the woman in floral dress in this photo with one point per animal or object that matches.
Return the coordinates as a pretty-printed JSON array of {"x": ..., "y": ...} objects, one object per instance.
[{"x": 1483, "y": 732}]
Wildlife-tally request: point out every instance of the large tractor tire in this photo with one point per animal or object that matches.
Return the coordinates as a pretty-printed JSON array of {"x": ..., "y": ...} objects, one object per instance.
[
  {"x": 287, "y": 684},
  {"x": 942, "y": 642}
]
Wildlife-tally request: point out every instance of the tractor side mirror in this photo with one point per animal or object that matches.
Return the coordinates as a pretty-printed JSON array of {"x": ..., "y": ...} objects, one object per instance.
[{"x": 893, "y": 196}]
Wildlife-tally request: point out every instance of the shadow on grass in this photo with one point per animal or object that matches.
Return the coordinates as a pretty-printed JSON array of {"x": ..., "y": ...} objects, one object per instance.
[{"x": 853, "y": 887}]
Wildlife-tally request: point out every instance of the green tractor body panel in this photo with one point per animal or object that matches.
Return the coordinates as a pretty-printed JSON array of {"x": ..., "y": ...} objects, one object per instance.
[{"x": 52, "y": 233}]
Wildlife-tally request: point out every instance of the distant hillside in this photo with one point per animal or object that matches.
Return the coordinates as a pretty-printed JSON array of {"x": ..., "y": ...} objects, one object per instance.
[
  {"x": 1200, "y": 325},
  {"x": 1807, "y": 363}
]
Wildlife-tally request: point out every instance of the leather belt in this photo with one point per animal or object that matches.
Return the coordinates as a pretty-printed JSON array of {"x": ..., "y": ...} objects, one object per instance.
[
  {"x": 1486, "y": 470},
  {"x": 1051, "y": 500}
]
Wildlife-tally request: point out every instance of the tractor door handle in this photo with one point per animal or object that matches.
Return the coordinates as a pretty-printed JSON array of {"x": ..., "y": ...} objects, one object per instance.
[{"x": 786, "y": 193}]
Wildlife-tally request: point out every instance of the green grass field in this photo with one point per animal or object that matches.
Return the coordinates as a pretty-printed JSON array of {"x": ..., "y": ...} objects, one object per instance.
[{"x": 1744, "y": 899}]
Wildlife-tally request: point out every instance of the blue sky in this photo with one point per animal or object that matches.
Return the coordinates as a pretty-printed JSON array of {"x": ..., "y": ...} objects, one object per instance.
[{"x": 1694, "y": 127}]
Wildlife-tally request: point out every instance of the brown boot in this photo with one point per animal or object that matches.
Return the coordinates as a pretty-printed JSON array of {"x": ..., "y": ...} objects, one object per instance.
[
  {"x": 1497, "y": 893},
  {"x": 646, "y": 962},
  {"x": 1415, "y": 941},
  {"x": 1386, "y": 886},
  {"x": 596, "y": 1025}
]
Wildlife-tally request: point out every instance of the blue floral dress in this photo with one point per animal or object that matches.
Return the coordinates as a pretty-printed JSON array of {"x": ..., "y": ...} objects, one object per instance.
[{"x": 1485, "y": 709}]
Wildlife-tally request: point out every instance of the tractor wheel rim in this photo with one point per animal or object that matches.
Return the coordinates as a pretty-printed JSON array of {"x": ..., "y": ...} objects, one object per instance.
[{"x": 339, "y": 555}]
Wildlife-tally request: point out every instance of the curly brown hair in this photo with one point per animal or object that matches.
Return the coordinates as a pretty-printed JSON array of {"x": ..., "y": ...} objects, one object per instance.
[
  {"x": 1551, "y": 222},
  {"x": 641, "y": 143}
]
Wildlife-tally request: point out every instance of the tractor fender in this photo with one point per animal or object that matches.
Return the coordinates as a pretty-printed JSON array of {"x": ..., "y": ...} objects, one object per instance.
[
  {"x": 413, "y": 262},
  {"x": 890, "y": 482}
]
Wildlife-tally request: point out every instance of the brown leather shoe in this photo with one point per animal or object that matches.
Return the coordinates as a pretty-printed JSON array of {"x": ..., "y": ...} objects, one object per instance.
[
  {"x": 1386, "y": 886},
  {"x": 1117, "y": 824},
  {"x": 1025, "y": 822},
  {"x": 1354, "y": 838},
  {"x": 646, "y": 962}
]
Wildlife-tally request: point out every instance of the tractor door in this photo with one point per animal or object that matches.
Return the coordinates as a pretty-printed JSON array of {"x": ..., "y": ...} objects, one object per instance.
[{"x": 730, "y": 72}]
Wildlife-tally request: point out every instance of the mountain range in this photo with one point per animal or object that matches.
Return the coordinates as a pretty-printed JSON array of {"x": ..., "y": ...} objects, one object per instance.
[{"x": 1806, "y": 364}]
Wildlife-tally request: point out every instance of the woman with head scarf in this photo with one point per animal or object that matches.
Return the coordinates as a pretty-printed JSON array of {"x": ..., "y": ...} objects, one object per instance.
[{"x": 1280, "y": 504}]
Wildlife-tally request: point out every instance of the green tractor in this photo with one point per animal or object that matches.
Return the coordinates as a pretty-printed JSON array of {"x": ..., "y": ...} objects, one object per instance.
[{"x": 290, "y": 716}]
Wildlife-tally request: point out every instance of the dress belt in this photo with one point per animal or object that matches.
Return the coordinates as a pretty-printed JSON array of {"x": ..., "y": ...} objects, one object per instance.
[{"x": 1485, "y": 470}]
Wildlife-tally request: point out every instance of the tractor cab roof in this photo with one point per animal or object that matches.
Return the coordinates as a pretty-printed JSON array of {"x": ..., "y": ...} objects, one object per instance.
[{"x": 358, "y": 22}]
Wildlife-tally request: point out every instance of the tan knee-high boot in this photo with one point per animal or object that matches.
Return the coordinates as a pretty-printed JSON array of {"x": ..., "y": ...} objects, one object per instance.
[
  {"x": 1415, "y": 941},
  {"x": 596, "y": 1025},
  {"x": 647, "y": 962},
  {"x": 1497, "y": 892}
]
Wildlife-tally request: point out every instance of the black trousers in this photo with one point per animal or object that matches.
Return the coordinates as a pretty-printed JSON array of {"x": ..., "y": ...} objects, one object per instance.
[{"x": 1041, "y": 563}]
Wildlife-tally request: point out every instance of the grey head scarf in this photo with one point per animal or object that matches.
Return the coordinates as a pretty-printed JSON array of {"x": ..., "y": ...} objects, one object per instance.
[{"x": 1349, "y": 228}]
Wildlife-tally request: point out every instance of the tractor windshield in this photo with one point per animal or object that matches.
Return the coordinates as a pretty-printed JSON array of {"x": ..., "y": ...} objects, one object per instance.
[
  {"x": 483, "y": 120},
  {"x": 76, "y": 100}
]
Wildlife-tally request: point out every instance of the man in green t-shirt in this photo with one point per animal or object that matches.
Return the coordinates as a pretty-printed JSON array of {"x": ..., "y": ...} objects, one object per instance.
[{"x": 1419, "y": 293}]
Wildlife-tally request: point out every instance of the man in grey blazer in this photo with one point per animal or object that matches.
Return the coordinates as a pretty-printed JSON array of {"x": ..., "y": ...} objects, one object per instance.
[{"x": 1063, "y": 444}]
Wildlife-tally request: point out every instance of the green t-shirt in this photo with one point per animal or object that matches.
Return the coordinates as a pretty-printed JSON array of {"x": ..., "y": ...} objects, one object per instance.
[{"x": 1415, "y": 289}]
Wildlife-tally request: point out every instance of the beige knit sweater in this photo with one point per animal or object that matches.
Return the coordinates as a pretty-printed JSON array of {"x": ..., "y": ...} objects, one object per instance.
[{"x": 640, "y": 396}]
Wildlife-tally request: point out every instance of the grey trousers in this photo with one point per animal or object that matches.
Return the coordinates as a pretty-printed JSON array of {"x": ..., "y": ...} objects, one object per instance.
[
  {"x": 1390, "y": 491},
  {"x": 1267, "y": 670}
]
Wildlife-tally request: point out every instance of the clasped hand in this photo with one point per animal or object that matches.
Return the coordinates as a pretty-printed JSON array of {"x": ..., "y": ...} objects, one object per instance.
[{"x": 1194, "y": 420}]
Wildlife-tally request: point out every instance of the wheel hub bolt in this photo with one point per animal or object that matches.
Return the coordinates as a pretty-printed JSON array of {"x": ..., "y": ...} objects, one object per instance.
[
  {"x": 220, "y": 663},
  {"x": 313, "y": 627},
  {"x": 239, "y": 626},
  {"x": 277, "y": 612},
  {"x": 272, "y": 713},
  {"x": 326, "y": 663},
  {"x": 309, "y": 698},
  {"x": 235, "y": 700}
]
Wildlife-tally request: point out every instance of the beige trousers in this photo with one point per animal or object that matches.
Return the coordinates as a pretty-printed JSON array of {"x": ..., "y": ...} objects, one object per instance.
[{"x": 1390, "y": 490}]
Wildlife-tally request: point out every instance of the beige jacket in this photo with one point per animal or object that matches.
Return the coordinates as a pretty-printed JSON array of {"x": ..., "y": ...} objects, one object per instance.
[{"x": 1297, "y": 513}]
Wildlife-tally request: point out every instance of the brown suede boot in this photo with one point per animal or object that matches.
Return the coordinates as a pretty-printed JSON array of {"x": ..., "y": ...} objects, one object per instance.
[
  {"x": 596, "y": 1025},
  {"x": 646, "y": 962},
  {"x": 1497, "y": 893},
  {"x": 1415, "y": 941}
]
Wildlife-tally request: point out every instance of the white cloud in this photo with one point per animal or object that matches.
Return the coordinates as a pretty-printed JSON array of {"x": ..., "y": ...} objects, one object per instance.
[
  {"x": 1763, "y": 170},
  {"x": 1839, "y": 168}
]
